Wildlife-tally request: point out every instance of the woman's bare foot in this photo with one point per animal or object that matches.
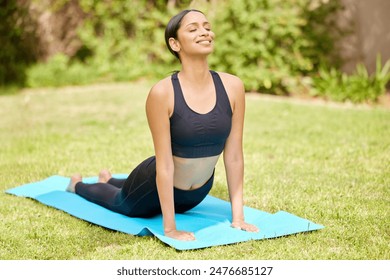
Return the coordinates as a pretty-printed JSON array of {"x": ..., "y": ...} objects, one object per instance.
[
  {"x": 73, "y": 181},
  {"x": 104, "y": 176}
]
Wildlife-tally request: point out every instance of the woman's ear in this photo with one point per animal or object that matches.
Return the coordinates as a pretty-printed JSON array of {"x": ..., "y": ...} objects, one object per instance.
[{"x": 175, "y": 45}]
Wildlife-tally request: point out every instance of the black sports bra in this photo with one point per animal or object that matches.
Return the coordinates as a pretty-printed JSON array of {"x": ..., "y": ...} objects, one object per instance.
[{"x": 195, "y": 135}]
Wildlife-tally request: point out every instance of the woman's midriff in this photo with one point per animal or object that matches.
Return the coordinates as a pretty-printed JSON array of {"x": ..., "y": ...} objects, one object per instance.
[{"x": 192, "y": 173}]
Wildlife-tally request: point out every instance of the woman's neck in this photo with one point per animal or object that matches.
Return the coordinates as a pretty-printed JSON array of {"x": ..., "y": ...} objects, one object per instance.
[{"x": 195, "y": 70}]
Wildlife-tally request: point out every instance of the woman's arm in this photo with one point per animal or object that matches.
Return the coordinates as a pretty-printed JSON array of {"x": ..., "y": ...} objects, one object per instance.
[
  {"x": 158, "y": 110},
  {"x": 233, "y": 153}
]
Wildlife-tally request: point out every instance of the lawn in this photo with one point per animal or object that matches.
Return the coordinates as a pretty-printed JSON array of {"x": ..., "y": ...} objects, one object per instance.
[{"x": 329, "y": 163}]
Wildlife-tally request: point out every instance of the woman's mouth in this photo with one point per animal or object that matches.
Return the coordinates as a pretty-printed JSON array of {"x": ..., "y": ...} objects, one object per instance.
[{"x": 204, "y": 42}]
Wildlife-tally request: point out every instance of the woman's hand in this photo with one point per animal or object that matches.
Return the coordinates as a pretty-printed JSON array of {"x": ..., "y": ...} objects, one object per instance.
[
  {"x": 241, "y": 225},
  {"x": 180, "y": 235}
]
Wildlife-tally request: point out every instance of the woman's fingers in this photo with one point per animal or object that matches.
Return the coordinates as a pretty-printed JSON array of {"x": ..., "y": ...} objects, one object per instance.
[
  {"x": 181, "y": 235},
  {"x": 245, "y": 226}
]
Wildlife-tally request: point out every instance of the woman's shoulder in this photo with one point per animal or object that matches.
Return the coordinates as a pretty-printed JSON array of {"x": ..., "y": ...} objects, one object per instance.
[
  {"x": 231, "y": 81},
  {"x": 228, "y": 76},
  {"x": 161, "y": 96},
  {"x": 162, "y": 88},
  {"x": 162, "y": 85}
]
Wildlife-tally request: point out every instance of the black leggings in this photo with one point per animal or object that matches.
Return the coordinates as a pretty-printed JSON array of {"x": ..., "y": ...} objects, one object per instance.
[{"x": 137, "y": 195}]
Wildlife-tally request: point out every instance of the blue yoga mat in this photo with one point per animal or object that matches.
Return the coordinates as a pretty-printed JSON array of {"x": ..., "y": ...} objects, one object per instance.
[{"x": 210, "y": 220}]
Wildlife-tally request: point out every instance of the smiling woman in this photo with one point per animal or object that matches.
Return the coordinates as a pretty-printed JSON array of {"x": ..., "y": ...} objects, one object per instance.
[{"x": 194, "y": 116}]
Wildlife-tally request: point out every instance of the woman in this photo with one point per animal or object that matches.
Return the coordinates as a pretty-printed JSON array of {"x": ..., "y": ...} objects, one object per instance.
[{"x": 194, "y": 116}]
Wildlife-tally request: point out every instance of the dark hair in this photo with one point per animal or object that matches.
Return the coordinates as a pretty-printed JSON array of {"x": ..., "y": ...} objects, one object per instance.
[{"x": 173, "y": 26}]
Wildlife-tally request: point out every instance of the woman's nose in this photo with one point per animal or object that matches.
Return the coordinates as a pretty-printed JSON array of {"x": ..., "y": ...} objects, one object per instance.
[{"x": 204, "y": 32}]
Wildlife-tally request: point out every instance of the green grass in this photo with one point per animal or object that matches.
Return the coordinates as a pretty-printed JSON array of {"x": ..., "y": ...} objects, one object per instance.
[{"x": 327, "y": 163}]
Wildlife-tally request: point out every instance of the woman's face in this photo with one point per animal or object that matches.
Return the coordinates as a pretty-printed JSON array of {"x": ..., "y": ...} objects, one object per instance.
[{"x": 194, "y": 35}]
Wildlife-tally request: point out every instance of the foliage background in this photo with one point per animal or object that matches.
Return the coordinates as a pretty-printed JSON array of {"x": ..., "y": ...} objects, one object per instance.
[{"x": 278, "y": 47}]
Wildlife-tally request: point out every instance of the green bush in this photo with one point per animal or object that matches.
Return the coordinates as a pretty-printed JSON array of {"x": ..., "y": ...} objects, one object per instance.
[
  {"x": 272, "y": 44},
  {"x": 58, "y": 71},
  {"x": 121, "y": 41},
  {"x": 357, "y": 87},
  {"x": 269, "y": 44},
  {"x": 275, "y": 46},
  {"x": 126, "y": 38}
]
